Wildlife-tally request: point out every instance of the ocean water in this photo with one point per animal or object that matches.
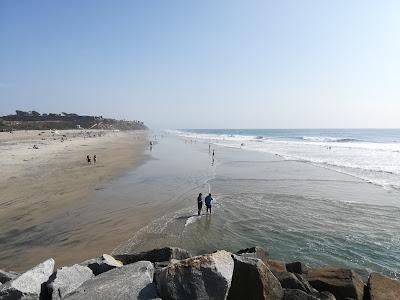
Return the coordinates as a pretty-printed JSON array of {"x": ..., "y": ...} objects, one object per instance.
[
  {"x": 370, "y": 154},
  {"x": 274, "y": 191}
]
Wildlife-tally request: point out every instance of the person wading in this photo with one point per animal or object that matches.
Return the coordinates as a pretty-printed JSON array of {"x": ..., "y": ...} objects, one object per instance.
[
  {"x": 199, "y": 204},
  {"x": 208, "y": 200}
]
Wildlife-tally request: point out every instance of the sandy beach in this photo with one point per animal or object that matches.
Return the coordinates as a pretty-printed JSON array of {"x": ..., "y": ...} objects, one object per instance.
[{"x": 39, "y": 185}]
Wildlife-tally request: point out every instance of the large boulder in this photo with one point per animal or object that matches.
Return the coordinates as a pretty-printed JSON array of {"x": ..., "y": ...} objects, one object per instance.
[
  {"x": 67, "y": 279},
  {"x": 201, "y": 277},
  {"x": 134, "y": 281},
  {"x": 256, "y": 252},
  {"x": 290, "y": 281},
  {"x": 296, "y": 267},
  {"x": 7, "y": 276},
  {"x": 289, "y": 294},
  {"x": 253, "y": 280},
  {"x": 102, "y": 264},
  {"x": 29, "y": 284},
  {"x": 156, "y": 255},
  {"x": 381, "y": 287},
  {"x": 342, "y": 283}
]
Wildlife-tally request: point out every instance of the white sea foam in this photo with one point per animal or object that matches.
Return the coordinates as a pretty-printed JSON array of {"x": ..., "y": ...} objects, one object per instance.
[{"x": 378, "y": 163}]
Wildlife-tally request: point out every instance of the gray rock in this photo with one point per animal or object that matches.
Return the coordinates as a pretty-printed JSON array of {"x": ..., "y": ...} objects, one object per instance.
[
  {"x": 102, "y": 264},
  {"x": 256, "y": 252},
  {"x": 7, "y": 276},
  {"x": 381, "y": 287},
  {"x": 253, "y": 280},
  {"x": 342, "y": 283},
  {"x": 201, "y": 277},
  {"x": 296, "y": 267},
  {"x": 156, "y": 255},
  {"x": 134, "y": 281},
  {"x": 290, "y": 281},
  {"x": 29, "y": 284},
  {"x": 67, "y": 279},
  {"x": 290, "y": 294}
]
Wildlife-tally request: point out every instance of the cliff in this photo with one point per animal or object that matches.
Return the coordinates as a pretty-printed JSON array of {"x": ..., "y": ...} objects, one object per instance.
[{"x": 36, "y": 121}]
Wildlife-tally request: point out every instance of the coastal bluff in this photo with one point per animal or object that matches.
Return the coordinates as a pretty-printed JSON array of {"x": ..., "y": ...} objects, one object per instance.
[
  {"x": 33, "y": 120},
  {"x": 172, "y": 273}
]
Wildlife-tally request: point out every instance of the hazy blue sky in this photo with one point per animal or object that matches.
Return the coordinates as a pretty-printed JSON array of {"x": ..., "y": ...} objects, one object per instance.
[{"x": 205, "y": 64}]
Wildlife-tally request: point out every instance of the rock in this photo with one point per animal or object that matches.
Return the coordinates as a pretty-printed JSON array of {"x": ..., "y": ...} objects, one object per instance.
[
  {"x": 28, "y": 285},
  {"x": 296, "y": 267},
  {"x": 341, "y": 283},
  {"x": 201, "y": 277},
  {"x": 134, "y": 281},
  {"x": 290, "y": 294},
  {"x": 102, "y": 264},
  {"x": 290, "y": 281},
  {"x": 381, "y": 287},
  {"x": 7, "y": 276},
  {"x": 67, "y": 279},
  {"x": 276, "y": 265},
  {"x": 256, "y": 252},
  {"x": 156, "y": 255},
  {"x": 253, "y": 280}
]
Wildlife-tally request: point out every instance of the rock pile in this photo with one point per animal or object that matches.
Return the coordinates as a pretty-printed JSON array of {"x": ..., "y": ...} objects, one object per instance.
[{"x": 172, "y": 273}]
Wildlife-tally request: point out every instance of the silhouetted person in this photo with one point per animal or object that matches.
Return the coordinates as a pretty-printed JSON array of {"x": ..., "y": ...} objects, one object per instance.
[
  {"x": 208, "y": 200},
  {"x": 199, "y": 204},
  {"x": 213, "y": 153},
  {"x": 88, "y": 160},
  {"x": 94, "y": 158}
]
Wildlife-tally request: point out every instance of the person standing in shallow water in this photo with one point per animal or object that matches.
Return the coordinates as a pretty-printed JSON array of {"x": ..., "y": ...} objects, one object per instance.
[
  {"x": 88, "y": 159},
  {"x": 208, "y": 200},
  {"x": 94, "y": 158},
  {"x": 199, "y": 204}
]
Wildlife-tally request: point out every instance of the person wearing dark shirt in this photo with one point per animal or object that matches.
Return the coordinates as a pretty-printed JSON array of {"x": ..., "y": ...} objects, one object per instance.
[
  {"x": 199, "y": 204},
  {"x": 208, "y": 200}
]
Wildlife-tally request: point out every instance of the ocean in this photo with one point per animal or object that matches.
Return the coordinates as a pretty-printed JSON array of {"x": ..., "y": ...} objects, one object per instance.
[
  {"x": 370, "y": 154},
  {"x": 324, "y": 197}
]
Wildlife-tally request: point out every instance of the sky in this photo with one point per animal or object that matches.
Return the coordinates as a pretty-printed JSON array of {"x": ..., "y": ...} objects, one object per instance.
[{"x": 205, "y": 64}]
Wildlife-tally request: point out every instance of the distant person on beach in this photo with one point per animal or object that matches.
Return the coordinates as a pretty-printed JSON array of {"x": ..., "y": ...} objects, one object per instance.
[
  {"x": 209, "y": 148},
  {"x": 213, "y": 153},
  {"x": 199, "y": 204},
  {"x": 88, "y": 159},
  {"x": 94, "y": 158},
  {"x": 208, "y": 200}
]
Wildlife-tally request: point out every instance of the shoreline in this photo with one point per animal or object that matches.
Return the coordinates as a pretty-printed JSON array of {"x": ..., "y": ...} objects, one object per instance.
[{"x": 40, "y": 185}]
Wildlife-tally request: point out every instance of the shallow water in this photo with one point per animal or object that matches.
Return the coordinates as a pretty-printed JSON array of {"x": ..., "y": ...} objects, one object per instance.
[{"x": 294, "y": 209}]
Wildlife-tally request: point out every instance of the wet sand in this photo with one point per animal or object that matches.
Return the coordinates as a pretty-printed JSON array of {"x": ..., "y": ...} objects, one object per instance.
[{"x": 41, "y": 187}]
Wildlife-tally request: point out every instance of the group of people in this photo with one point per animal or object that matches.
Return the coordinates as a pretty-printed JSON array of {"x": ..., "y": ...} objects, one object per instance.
[
  {"x": 89, "y": 160},
  {"x": 207, "y": 201}
]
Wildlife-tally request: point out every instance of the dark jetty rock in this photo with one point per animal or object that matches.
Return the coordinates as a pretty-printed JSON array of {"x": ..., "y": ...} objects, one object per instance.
[
  {"x": 102, "y": 264},
  {"x": 134, "y": 281},
  {"x": 381, "y": 287},
  {"x": 253, "y": 280},
  {"x": 28, "y": 285},
  {"x": 296, "y": 267},
  {"x": 67, "y": 279},
  {"x": 201, "y": 277},
  {"x": 156, "y": 255},
  {"x": 342, "y": 283},
  {"x": 7, "y": 276},
  {"x": 289, "y": 294},
  {"x": 256, "y": 252},
  {"x": 291, "y": 281}
]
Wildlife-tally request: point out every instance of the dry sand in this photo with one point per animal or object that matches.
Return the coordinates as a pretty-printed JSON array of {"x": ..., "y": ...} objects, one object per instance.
[{"x": 37, "y": 185}]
